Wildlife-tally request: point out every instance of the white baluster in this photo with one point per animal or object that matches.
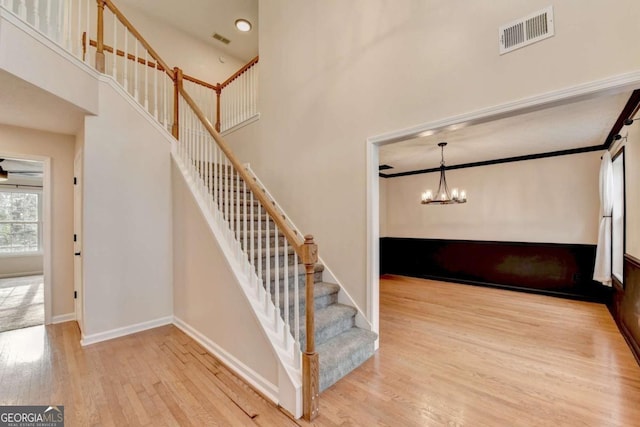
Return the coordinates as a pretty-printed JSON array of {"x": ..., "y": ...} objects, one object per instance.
[
  {"x": 253, "y": 235},
  {"x": 22, "y": 9},
  {"x": 164, "y": 99},
  {"x": 228, "y": 177},
  {"x": 88, "y": 27},
  {"x": 79, "y": 30},
  {"x": 267, "y": 260},
  {"x": 259, "y": 254},
  {"x": 47, "y": 18},
  {"x": 286, "y": 293},
  {"x": 59, "y": 34},
  {"x": 36, "y": 15},
  {"x": 125, "y": 50},
  {"x": 68, "y": 25},
  {"x": 237, "y": 215},
  {"x": 296, "y": 309},
  {"x": 136, "y": 83},
  {"x": 244, "y": 215},
  {"x": 155, "y": 90},
  {"x": 276, "y": 267},
  {"x": 146, "y": 80},
  {"x": 114, "y": 71}
]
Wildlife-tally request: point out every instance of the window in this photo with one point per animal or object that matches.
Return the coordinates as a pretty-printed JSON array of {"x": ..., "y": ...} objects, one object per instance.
[
  {"x": 20, "y": 222},
  {"x": 617, "y": 217}
]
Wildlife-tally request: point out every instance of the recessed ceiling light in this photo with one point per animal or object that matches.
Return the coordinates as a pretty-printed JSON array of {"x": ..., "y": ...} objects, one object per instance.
[{"x": 243, "y": 25}]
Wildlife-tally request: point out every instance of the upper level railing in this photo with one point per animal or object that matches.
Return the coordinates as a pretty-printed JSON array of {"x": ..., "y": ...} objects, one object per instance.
[{"x": 236, "y": 198}]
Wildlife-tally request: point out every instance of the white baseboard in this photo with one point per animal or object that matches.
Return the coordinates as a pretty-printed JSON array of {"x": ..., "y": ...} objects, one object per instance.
[
  {"x": 265, "y": 387},
  {"x": 126, "y": 330},
  {"x": 21, "y": 274},
  {"x": 61, "y": 318}
]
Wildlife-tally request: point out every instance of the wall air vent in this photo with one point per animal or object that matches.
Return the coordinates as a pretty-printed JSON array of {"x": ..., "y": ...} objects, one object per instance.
[
  {"x": 220, "y": 38},
  {"x": 523, "y": 32}
]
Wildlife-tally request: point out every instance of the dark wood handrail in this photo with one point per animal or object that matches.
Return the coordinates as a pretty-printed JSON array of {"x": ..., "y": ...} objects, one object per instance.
[
  {"x": 240, "y": 72},
  {"x": 138, "y": 36}
]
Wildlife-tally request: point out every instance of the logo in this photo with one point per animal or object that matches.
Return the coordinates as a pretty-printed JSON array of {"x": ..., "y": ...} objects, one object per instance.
[{"x": 31, "y": 416}]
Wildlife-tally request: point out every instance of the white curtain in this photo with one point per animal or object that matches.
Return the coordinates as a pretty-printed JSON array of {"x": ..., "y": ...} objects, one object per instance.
[{"x": 602, "y": 271}]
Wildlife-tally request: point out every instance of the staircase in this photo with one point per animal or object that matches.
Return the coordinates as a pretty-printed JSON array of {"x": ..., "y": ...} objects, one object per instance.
[
  {"x": 340, "y": 344},
  {"x": 278, "y": 271}
]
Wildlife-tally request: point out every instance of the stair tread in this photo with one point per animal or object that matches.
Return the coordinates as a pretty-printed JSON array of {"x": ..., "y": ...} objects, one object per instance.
[
  {"x": 320, "y": 289},
  {"x": 318, "y": 267},
  {"x": 343, "y": 353}
]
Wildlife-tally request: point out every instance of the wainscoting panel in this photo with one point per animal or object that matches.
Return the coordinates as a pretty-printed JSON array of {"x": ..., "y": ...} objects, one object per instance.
[
  {"x": 549, "y": 268},
  {"x": 625, "y": 306}
]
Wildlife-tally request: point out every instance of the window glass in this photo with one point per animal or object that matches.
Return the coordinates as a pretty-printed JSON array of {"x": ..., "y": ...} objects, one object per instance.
[{"x": 20, "y": 223}]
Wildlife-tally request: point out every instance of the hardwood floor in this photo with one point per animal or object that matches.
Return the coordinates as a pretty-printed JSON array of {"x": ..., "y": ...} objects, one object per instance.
[
  {"x": 450, "y": 355},
  {"x": 458, "y": 355},
  {"x": 159, "y": 377}
]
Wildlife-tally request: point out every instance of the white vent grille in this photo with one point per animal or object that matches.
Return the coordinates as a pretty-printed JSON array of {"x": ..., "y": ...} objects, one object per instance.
[{"x": 523, "y": 32}]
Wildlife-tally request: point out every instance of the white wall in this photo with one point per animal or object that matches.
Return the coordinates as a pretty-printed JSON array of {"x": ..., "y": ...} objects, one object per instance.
[
  {"x": 22, "y": 265},
  {"x": 127, "y": 251},
  {"x": 206, "y": 294},
  {"x": 14, "y": 142},
  {"x": 552, "y": 200},
  {"x": 334, "y": 73}
]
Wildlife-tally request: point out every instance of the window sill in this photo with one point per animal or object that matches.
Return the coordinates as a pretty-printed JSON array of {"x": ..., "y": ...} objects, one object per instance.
[{"x": 21, "y": 254}]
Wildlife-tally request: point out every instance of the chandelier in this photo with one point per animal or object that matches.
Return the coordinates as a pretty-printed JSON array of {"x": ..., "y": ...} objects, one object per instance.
[{"x": 443, "y": 196}]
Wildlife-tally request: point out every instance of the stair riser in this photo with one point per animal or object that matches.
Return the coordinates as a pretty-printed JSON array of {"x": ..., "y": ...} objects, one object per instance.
[
  {"x": 330, "y": 377},
  {"x": 317, "y": 277},
  {"x": 324, "y": 334},
  {"x": 320, "y": 301},
  {"x": 272, "y": 261}
]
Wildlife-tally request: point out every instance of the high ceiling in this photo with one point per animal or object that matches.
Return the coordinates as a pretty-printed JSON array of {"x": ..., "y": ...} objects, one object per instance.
[
  {"x": 575, "y": 125},
  {"x": 202, "y": 18}
]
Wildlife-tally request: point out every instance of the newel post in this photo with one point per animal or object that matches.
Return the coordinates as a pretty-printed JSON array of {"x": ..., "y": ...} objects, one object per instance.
[
  {"x": 100, "y": 37},
  {"x": 177, "y": 87},
  {"x": 310, "y": 362},
  {"x": 218, "y": 93}
]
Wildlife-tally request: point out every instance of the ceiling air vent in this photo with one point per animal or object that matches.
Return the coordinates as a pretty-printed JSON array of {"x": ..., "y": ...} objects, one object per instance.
[
  {"x": 220, "y": 38},
  {"x": 525, "y": 31}
]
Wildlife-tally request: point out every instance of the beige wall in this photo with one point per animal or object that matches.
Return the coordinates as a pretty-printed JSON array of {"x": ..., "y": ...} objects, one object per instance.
[
  {"x": 16, "y": 141},
  {"x": 206, "y": 294},
  {"x": 126, "y": 222},
  {"x": 553, "y": 200},
  {"x": 14, "y": 266},
  {"x": 334, "y": 73}
]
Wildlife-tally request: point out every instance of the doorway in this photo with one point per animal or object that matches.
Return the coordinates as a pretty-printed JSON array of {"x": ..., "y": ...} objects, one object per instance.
[{"x": 22, "y": 280}]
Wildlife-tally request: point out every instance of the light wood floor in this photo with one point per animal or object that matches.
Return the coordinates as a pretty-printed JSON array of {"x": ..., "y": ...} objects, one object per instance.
[{"x": 450, "y": 355}]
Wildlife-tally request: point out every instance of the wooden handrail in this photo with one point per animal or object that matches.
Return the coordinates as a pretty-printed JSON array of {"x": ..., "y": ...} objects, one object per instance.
[
  {"x": 201, "y": 82},
  {"x": 130, "y": 57},
  {"x": 241, "y": 71},
  {"x": 138, "y": 36},
  {"x": 290, "y": 234}
]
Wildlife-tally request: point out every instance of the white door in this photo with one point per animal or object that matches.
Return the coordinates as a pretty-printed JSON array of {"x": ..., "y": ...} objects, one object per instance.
[{"x": 77, "y": 245}]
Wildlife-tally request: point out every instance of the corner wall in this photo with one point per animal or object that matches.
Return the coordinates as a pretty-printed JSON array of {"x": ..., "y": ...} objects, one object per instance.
[{"x": 127, "y": 245}]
